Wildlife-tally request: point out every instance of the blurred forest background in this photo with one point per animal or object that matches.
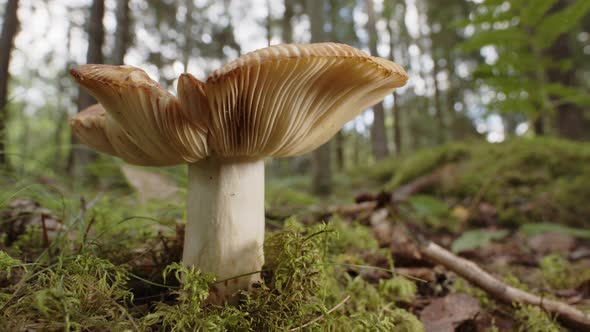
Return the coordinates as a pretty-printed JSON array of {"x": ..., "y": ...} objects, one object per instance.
[{"x": 479, "y": 70}]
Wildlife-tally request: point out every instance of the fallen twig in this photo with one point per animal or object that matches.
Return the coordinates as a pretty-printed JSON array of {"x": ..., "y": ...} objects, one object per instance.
[
  {"x": 568, "y": 315},
  {"x": 322, "y": 316},
  {"x": 353, "y": 209},
  {"x": 421, "y": 183}
]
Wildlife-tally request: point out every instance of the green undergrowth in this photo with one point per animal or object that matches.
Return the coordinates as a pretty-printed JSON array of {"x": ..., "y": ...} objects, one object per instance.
[
  {"x": 309, "y": 284},
  {"x": 526, "y": 180}
]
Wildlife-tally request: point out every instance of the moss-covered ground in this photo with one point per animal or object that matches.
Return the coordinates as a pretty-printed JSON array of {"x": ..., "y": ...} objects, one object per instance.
[{"x": 98, "y": 260}]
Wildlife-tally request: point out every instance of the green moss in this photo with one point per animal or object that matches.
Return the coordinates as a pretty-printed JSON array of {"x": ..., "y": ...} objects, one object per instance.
[
  {"x": 77, "y": 293},
  {"x": 301, "y": 286},
  {"x": 558, "y": 273},
  {"x": 527, "y": 180},
  {"x": 426, "y": 161},
  {"x": 351, "y": 237},
  {"x": 288, "y": 196},
  {"x": 305, "y": 284},
  {"x": 397, "y": 288},
  {"x": 533, "y": 319},
  {"x": 7, "y": 264}
]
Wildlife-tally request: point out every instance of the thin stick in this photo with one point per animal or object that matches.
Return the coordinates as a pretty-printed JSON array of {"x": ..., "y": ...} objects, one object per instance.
[
  {"x": 45, "y": 235},
  {"x": 568, "y": 315},
  {"x": 322, "y": 316}
]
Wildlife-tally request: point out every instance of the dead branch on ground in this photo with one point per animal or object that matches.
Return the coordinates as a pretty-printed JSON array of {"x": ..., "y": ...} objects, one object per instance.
[{"x": 568, "y": 315}]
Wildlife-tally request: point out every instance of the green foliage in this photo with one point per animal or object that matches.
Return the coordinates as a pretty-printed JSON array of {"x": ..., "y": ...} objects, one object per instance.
[
  {"x": 351, "y": 237},
  {"x": 540, "y": 228},
  {"x": 7, "y": 263},
  {"x": 556, "y": 271},
  {"x": 397, "y": 289},
  {"x": 188, "y": 313},
  {"x": 425, "y": 162},
  {"x": 526, "y": 180},
  {"x": 77, "y": 293},
  {"x": 433, "y": 212},
  {"x": 521, "y": 33},
  {"x": 534, "y": 319},
  {"x": 476, "y": 238},
  {"x": 300, "y": 286},
  {"x": 288, "y": 195}
]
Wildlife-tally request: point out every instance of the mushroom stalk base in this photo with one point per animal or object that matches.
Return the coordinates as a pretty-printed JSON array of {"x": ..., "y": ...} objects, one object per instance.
[{"x": 224, "y": 232}]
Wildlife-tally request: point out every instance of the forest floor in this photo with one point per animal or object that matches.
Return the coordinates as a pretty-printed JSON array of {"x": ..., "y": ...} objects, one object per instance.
[{"x": 356, "y": 262}]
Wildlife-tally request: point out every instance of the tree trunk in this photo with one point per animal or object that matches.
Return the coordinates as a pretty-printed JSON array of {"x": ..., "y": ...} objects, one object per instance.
[
  {"x": 9, "y": 30},
  {"x": 397, "y": 126},
  {"x": 81, "y": 156},
  {"x": 321, "y": 163},
  {"x": 268, "y": 22},
  {"x": 63, "y": 115},
  {"x": 188, "y": 22},
  {"x": 339, "y": 138},
  {"x": 570, "y": 120},
  {"x": 287, "y": 25},
  {"x": 340, "y": 150},
  {"x": 378, "y": 134},
  {"x": 122, "y": 35},
  {"x": 440, "y": 121}
]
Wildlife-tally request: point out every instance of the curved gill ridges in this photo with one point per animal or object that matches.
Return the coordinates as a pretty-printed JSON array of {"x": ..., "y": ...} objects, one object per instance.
[
  {"x": 289, "y": 99},
  {"x": 150, "y": 116},
  {"x": 96, "y": 128}
]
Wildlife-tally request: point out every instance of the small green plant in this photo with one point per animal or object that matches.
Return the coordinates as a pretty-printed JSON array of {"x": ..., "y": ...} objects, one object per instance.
[
  {"x": 77, "y": 293},
  {"x": 7, "y": 264},
  {"x": 533, "y": 319}
]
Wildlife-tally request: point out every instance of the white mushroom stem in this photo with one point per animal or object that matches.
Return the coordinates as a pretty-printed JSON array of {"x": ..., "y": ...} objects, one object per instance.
[{"x": 224, "y": 232}]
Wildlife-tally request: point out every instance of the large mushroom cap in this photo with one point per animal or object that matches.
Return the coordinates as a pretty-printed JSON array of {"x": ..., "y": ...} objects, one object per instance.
[{"x": 278, "y": 101}]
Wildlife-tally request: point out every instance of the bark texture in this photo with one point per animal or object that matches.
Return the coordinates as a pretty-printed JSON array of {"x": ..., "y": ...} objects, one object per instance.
[
  {"x": 321, "y": 157},
  {"x": 81, "y": 156},
  {"x": 122, "y": 35},
  {"x": 9, "y": 30},
  {"x": 378, "y": 134}
]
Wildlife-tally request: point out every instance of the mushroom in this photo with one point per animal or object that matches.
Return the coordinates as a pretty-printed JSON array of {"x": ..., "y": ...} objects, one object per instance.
[{"x": 280, "y": 101}]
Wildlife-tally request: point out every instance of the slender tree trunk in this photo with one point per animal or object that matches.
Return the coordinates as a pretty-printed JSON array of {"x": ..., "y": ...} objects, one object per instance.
[
  {"x": 356, "y": 144},
  {"x": 397, "y": 126},
  {"x": 395, "y": 109},
  {"x": 268, "y": 22},
  {"x": 62, "y": 108},
  {"x": 188, "y": 23},
  {"x": 340, "y": 164},
  {"x": 339, "y": 138},
  {"x": 452, "y": 98},
  {"x": 79, "y": 156},
  {"x": 321, "y": 157},
  {"x": 287, "y": 25},
  {"x": 440, "y": 121},
  {"x": 378, "y": 134},
  {"x": 122, "y": 35},
  {"x": 570, "y": 120},
  {"x": 9, "y": 30}
]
